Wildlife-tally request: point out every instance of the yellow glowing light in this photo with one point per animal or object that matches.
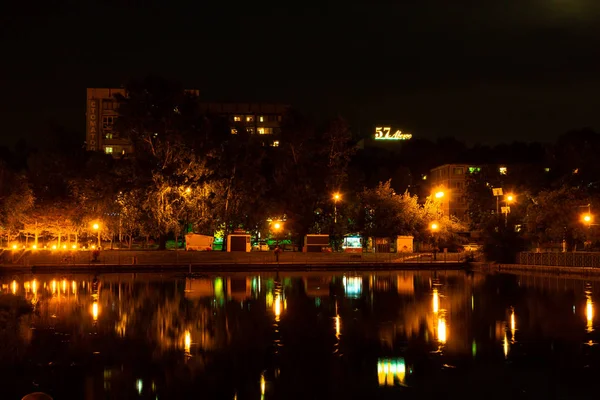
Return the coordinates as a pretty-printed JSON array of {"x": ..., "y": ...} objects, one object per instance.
[
  {"x": 53, "y": 286},
  {"x": 338, "y": 325},
  {"x": 587, "y": 218},
  {"x": 276, "y": 226},
  {"x": 96, "y": 227},
  {"x": 434, "y": 226},
  {"x": 34, "y": 247},
  {"x": 513, "y": 325},
  {"x": 277, "y": 306},
  {"x": 384, "y": 133},
  {"x": 14, "y": 246},
  {"x": 64, "y": 246},
  {"x": 442, "y": 330},
  {"x": 93, "y": 246},
  {"x": 589, "y": 314},
  {"x": 263, "y": 384},
  {"x": 34, "y": 286},
  {"x": 54, "y": 247},
  {"x": 14, "y": 287},
  {"x": 188, "y": 341},
  {"x": 74, "y": 246},
  {"x": 188, "y": 190},
  {"x": 439, "y": 195},
  {"x": 505, "y": 345},
  {"x": 510, "y": 198},
  {"x": 336, "y": 196},
  {"x": 64, "y": 285},
  {"x": 95, "y": 311},
  {"x": 73, "y": 287},
  {"x": 436, "y": 301}
]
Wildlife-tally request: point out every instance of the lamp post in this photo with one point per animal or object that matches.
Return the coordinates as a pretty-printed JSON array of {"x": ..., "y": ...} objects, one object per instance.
[
  {"x": 276, "y": 228},
  {"x": 508, "y": 199},
  {"x": 336, "y": 198},
  {"x": 96, "y": 227},
  {"x": 434, "y": 228}
]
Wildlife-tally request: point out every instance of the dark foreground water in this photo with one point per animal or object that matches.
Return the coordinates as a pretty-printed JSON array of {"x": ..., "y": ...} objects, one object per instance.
[{"x": 300, "y": 336}]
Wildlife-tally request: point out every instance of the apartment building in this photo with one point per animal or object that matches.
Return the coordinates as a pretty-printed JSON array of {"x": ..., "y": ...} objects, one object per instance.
[{"x": 101, "y": 114}]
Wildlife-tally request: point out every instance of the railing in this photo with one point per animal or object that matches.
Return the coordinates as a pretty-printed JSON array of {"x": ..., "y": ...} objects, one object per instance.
[
  {"x": 170, "y": 257},
  {"x": 567, "y": 259}
]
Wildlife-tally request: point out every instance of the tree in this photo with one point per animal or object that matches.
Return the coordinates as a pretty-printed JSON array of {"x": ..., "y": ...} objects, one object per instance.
[
  {"x": 16, "y": 200},
  {"x": 555, "y": 215}
]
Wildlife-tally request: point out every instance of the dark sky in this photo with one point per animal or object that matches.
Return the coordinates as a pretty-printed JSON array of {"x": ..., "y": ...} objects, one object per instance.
[{"x": 481, "y": 70}]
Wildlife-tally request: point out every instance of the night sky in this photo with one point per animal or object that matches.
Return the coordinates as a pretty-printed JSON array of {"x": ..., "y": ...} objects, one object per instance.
[{"x": 482, "y": 70}]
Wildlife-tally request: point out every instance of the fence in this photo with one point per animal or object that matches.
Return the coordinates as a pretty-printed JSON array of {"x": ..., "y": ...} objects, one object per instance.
[
  {"x": 171, "y": 257},
  {"x": 567, "y": 259}
]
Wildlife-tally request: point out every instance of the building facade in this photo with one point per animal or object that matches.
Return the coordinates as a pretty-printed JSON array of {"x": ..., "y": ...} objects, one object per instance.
[
  {"x": 101, "y": 114},
  {"x": 450, "y": 180}
]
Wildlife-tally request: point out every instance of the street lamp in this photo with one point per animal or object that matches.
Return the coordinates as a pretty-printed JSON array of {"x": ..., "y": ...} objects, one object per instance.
[
  {"x": 96, "y": 227},
  {"x": 434, "y": 228},
  {"x": 439, "y": 195},
  {"x": 277, "y": 226},
  {"x": 336, "y": 197}
]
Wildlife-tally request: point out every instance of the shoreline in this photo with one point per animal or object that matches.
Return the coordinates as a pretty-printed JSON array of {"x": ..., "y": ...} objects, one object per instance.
[{"x": 233, "y": 267}]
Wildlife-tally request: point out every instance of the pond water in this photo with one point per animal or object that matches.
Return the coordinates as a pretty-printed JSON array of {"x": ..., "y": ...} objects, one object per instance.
[{"x": 406, "y": 334}]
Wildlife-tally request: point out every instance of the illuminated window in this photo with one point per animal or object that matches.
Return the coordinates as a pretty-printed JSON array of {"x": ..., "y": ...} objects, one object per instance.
[
  {"x": 458, "y": 171},
  {"x": 261, "y": 119},
  {"x": 123, "y": 152},
  {"x": 547, "y": 169},
  {"x": 275, "y": 143},
  {"x": 249, "y": 118},
  {"x": 250, "y": 130},
  {"x": 108, "y": 135},
  {"x": 108, "y": 150},
  {"x": 424, "y": 177},
  {"x": 502, "y": 170},
  {"x": 237, "y": 118},
  {"x": 473, "y": 170},
  {"x": 233, "y": 131},
  {"x": 575, "y": 171},
  {"x": 264, "y": 131}
]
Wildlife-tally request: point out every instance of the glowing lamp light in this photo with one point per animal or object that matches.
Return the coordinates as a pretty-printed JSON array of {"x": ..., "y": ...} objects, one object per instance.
[
  {"x": 95, "y": 311},
  {"x": 34, "y": 247},
  {"x": 96, "y": 227},
  {"x": 93, "y": 246},
  {"x": 336, "y": 196},
  {"x": 14, "y": 246},
  {"x": 277, "y": 226},
  {"x": 188, "y": 190},
  {"x": 187, "y": 341},
  {"x": 587, "y": 218},
  {"x": 53, "y": 247},
  {"x": 64, "y": 246},
  {"x": 74, "y": 246},
  {"x": 439, "y": 195},
  {"x": 510, "y": 198},
  {"x": 434, "y": 226}
]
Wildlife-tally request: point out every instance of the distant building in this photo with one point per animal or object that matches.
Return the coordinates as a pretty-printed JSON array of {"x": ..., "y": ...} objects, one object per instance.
[
  {"x": 101, "y": 114},
  {"x": 448, "y": 184}
]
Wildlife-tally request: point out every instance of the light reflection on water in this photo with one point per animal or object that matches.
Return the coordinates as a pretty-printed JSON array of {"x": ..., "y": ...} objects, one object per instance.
[{"x": 263, "y": 333}]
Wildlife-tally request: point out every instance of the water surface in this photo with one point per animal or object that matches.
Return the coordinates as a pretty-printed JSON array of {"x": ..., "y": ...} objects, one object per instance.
[{"x": 423, "y": 334}]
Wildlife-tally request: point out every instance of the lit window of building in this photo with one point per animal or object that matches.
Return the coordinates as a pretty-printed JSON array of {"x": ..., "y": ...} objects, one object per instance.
[
  {"x": 237, "y": 118},
  {"x": 502, "y": 170},
  {"x": 233, "y": 131},
  {"x": 261, "y": 119},
  {"x": 123, "y": 152},
  {"x": 547, "y": 169},
  {"x": 108, "y": 150},
  {"x": 249, "y": 118},
  {"x": 424, "y": 177},
  {"x": 109, "y": 135},
  {"x": 473, "y": 170},
  {"x": 250, "y": 130},
  {"x": 264, "y": 131},
  {"x": 575, "y": 171},
  {"x": 275, "y": 143}
]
